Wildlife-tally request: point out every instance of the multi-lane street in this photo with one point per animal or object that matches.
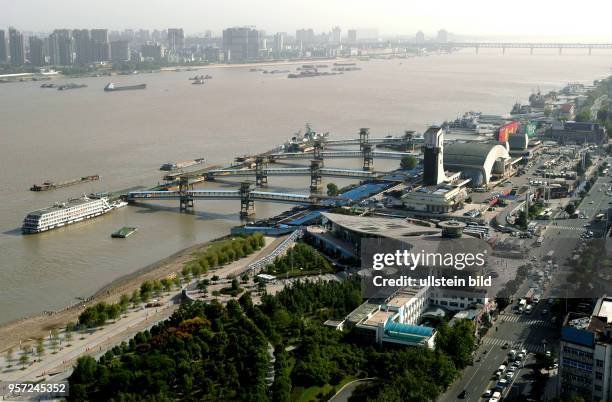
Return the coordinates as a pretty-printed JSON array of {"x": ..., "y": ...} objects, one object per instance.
[{"x": 533, "y": 332}]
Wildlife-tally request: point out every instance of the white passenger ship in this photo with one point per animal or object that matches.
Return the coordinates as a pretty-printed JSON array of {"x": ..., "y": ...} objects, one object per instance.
[{"x": 62, "y": 214}]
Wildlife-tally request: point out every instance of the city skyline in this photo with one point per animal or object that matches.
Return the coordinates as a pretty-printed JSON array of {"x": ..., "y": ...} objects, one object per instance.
[{"x": 478, "y": 18}]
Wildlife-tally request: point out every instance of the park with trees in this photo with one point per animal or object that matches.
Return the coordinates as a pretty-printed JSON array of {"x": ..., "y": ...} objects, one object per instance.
[{"x": 211, "y": 352}]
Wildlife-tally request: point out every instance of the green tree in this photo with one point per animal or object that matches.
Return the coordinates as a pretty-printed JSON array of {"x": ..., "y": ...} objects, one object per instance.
[
  {"x": 146, "y": 289},
  {"x": 135, "y": 298},
  {"x": 68, "y": 335},
  {"x": 570, "y": 209},
  {"x": 583, "y": 116},
  {"x": 408, "y": 162},
  {"x": 40, "y": 348},
  {"x": 9, "y": 356},
  {"x": 124, "y": 303},
  {"x": 24, "y": 359},
  {"x": 166, "y": 284},
  {"x": 332, "y": 189}
]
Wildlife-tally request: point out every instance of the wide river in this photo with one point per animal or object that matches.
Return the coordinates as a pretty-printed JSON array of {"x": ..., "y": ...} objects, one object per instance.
[{"x": 125, "y": 136}]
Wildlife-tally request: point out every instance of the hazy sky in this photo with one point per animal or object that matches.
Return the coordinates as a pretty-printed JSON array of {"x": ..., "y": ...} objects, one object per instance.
[{"x": 560, "y": 18}]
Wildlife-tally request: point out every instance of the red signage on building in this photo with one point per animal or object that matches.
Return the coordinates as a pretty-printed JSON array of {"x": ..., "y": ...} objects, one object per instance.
[{"x": 507, "y": 130}]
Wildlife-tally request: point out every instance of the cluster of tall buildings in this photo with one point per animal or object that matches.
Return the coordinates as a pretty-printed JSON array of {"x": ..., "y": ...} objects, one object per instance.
[
  {"x": 441, "y": 36},
  {"x": 64, "y": 47}
]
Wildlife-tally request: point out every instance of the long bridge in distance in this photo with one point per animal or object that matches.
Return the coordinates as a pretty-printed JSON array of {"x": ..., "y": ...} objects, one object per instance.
[{"x": 515, "y": 45}]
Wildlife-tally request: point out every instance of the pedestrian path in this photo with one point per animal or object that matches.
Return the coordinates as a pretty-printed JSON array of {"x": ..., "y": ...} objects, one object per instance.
[
  {"x": 573, "y": 228},
  {"x": 524, "y": 320},
  {"x": 529, "y": 347}
]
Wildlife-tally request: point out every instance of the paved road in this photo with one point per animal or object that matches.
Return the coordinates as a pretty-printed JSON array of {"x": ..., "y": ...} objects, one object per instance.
[{"x": 532, "y": 332}]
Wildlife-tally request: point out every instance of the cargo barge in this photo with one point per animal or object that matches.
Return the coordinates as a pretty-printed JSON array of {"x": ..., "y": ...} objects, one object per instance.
[
  {"x": 110, "y": 87},
  {"x": 169, "y": 166},
  {"x": 124, "y": 232},
  {"x": 49, "y": 185}
]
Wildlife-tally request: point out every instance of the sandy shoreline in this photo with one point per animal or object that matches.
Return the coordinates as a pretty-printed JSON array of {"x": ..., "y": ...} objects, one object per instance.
[
  {"x": 252, "y": 65},
  {"x": 38, "y": 326}
]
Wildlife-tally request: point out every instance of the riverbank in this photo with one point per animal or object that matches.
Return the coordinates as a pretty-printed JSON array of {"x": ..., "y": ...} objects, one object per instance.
[{"x": 38, "y": 326}]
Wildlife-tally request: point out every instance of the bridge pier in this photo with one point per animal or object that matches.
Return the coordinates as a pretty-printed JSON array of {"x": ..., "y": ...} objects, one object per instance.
[
  {"x": 590, "y": 51},
  {"x": 185, "y": 199},
  {"x": 318, "y": 147},
  {"x": 476, "y": 49},
  {"x": 503, "y": 50},
  {"x": 315, "y": 176},
  {"x": 247, "y": 205},
  {"x": 560, "y": 51},
  {"x": 531, "y": 50},
  {"x": 368, "y": 159},
  {"x": 364, "y": 135},
  {"x": 261, "y": 178}
]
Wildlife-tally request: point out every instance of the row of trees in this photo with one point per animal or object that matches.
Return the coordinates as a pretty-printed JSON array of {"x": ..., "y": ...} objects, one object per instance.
[
  {"x": 224, "y": 252},
  {"x": 302, "y": 259}
]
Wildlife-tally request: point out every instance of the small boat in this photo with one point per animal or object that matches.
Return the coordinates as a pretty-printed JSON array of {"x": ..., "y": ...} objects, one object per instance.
[
  {"x": 199, "y": 81},
  {"x": 110, "y": 87},
  {"x": 124, "y": 232}
]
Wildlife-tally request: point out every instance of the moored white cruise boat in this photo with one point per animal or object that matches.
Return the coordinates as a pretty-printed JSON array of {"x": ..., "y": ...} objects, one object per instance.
[{"x": 65, "y": 213}]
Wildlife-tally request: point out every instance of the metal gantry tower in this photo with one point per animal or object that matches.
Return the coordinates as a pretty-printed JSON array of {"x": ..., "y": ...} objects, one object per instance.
[
  {"x": 247, "y": 205},
  {"x": 185, "y": 198},
  {"x": 315, "y": 175},
  {"x": 261, "y": 177},
  {"x": 368, "y": 159},
  {"x": 318, "y": 147},
  {"x": 364, "y": 136}
]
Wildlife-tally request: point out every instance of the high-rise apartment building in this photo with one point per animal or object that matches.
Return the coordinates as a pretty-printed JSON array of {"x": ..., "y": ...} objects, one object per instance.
[
  {"x": 3, "y": 53},
  {"x": 100, "y": 47},
  {"x": 61, "y": 47},
  {"x": 16, "y": 47},
  {"x": 241, "y": 43},
  {"x": 37, "y": 53},
  {"x": 305, "y": 36},
  {"x": 152, "y": 51},
  {"x": 99, "y": 35},
  {"x": 279, "y": 42},
  {"x": 120, "y": 51},
  {"x": 442, "y": 36},
  {"x": 176, "y": 39},
  {"x": 420, "y": 37},
  {"x": 336, "y": 35},
  {"x": 82, "y": 46}
]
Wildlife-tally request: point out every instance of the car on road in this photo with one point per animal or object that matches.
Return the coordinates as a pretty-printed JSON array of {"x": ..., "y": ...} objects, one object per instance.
[
  {"x": 487, "y": 393},
  {"x": 512, "y": 369},
  {"x": 501, "y": 384},
  {"x": 506, "y": 345},
  {"x": 463, "y": 394},
  {"x": 509, "y": 376},
  {"x": 544, "y": 312}
]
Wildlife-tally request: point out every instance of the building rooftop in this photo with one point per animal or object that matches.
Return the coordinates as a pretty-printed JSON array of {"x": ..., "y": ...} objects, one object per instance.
[
  {"x": 604, "y": 309},
  {"x": 379, "y": 317},
  {"x": 383, "y": 227}
]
